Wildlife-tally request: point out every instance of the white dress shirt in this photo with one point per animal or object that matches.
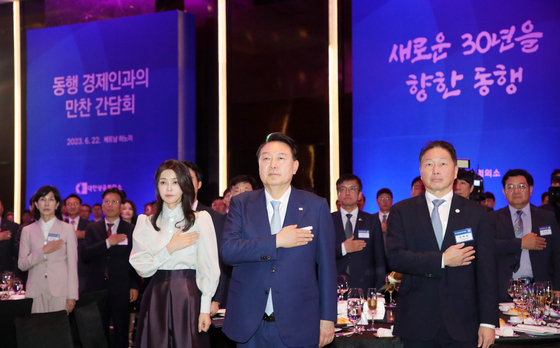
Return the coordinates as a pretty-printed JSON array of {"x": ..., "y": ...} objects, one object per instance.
[
  {"x": 149, "y": 252},
  {"x": 353, "y": 220}
]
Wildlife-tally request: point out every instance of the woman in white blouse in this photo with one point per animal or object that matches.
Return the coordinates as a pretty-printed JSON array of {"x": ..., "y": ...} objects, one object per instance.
[
  {"x": 49, "y": 250},
  {"x": 177, "y": 248}
]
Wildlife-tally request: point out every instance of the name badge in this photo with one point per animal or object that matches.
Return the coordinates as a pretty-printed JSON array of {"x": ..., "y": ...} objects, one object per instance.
[
  {"x": 545, "y": 231},
  {"x": 124, "y": 242},
  {"x": 52, "y": 237},
  {"x": 363, "y": 233},
  {"x": 463, "y": 236}
]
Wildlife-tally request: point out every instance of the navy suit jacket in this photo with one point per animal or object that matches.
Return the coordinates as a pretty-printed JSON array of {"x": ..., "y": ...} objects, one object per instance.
[
  {"x": 303, "y": 279},
  {"x": 225, "y": 270},
  {"x": 460, "y": 298},
  {"x": 544, "y": 263},
  {"x": 367, "y": 266},
  {"x": 8, "y": 252},
  {"x": 121, "y": 275}
]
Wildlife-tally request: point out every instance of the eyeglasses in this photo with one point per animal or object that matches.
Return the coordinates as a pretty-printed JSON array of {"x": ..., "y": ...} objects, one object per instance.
[
  {"x": 384, "y": 198},
  {"x": 73, "y": 204},
  {"x": 343, "y": 189},
  {"x": 519, "y": 187},
  {"x": 108, "y": 202}
]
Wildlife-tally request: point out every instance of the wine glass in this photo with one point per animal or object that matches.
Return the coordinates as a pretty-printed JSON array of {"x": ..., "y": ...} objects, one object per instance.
[
  {"x": 3, "y": 286},
  {"x": 18, "y": 286},
  {"x": 513, "y": 283},
  {"x": 555, "y": 301},
  {"x": 391, "y": 288},
  {"x": 342, "y": 286},
  {"x": 548, "y": 293},
  {"x": 539, "y": 303},
  {"x": 372, "y": 305},
  {"x": 355, "y": 306},
  {"x": 522, "y": 298}
]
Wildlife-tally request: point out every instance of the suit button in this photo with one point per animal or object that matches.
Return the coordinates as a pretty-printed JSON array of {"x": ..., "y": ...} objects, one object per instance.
[
  {"x": 266, "y": 292},
  {"x": 272, "y": 270},
  {"x": 268, "y": 257}
]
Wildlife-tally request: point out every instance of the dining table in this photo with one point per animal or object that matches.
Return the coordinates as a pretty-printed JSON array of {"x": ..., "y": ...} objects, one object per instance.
[
  {"x": 368, "y": 339},
  {"x": 11, "y": 308}
]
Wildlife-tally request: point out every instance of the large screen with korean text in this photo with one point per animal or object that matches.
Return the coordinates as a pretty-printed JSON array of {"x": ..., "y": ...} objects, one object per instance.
[
  {"x": 107, "y": 102},
  {"x": 480, "y": 74}
]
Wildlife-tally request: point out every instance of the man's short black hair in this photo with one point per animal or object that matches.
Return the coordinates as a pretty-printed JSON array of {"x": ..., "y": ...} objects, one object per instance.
[
  {"x": 544, "y": 195},
  {"x": 73, "y": 195},
  {"x": 466, "y": 175},
  {"x": 384, "y": 190},
  {"x": 349, "y": 177},
  {"x": 114, "y": 190},
  {"x": 97, "y": 205},
  {"x": 517, "y": 172},
  {"x": 283, "y": 138},
  {"x": 243, "y": 178},
  {"x": 418, "y": 178},
  {"x": 441, "y": 144},
  {"x": 195, "y": 168},
  {"x": 555, "y": 176},
  {"x": 489, "y": 195}
]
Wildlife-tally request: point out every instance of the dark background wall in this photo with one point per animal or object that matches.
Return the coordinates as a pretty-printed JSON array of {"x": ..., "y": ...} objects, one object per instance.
[{"x": 277, "y": 80}]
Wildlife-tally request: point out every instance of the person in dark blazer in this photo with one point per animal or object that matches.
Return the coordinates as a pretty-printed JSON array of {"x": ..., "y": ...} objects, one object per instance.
[
  {"x": 448, "y": 293},
  {"x": 280, "y": 242},
  {"x": 361, "y": 254},
  {"x": 8, "y": 253},
  {"x": 527, "y": 243},
  {"x": 73, "y": 206},
  {"x": 107, "y": 249},
  {"x": 220, "y": 298}
]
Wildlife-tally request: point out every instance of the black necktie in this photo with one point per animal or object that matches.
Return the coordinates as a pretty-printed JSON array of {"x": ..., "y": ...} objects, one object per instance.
[{"x": 348, "y": 227}]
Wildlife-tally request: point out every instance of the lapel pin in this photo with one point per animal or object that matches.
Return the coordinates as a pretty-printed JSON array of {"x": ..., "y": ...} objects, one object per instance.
[
  {"x": 300, "y": 208},
  {"x": 360, "y": 219},
  {"x": 457, "y": 211}
]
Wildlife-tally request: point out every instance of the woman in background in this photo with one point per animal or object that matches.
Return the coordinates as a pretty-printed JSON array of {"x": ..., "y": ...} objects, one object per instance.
[
  {"x": 178, "y": 247},
  {"x": 128, "y": 212},
  {"x": 49, "y": 250}
]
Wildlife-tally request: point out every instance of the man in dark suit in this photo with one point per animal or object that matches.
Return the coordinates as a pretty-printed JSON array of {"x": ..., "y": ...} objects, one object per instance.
[
  {"x": 448, "y": 294},
  {"x": 73, "y": 207},
  {"x": 8, "y": 229},
  {"x": 107, "y": 248},
  {"x": 360, "y": 252},
  {"x": 527, "y": 238},
  {"x": 220, "y": 297},
  {"x": 280, "y": 241},
  {"x": 553, "y": 204}
]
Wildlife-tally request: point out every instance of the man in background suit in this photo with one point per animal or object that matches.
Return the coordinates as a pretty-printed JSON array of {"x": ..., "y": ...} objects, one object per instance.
[
  {"x": 360, "y": 252},
  {"x": 8, "y": 252},
  {"x": 448, "y": 294},
  {"x": 527, "y": 238},
  {"x": 283, "y": 287},
  {"x": 73, "y": 206},
  {"x": 107, "y": 248},
  {"x": 220, "y": 297}
]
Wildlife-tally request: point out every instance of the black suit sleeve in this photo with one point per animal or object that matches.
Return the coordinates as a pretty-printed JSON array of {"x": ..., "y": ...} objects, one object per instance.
[
  {"x": 378, "y": 253},
  {"x": 95, "y": 242}
]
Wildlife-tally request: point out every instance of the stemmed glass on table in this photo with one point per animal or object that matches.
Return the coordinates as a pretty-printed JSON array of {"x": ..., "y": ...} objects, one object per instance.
[
  {"x": 391, "y": 288},
  {"x": 342, "y": 286},
  {"x": 3, "y": 286},
  {"x": 522, "y": 297},
  {"x": 549, "y": 292},
  {"x": 355, "y": 307},
  {"x": 372, "y": 305},
  {"x": 538, "y": 303}
]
